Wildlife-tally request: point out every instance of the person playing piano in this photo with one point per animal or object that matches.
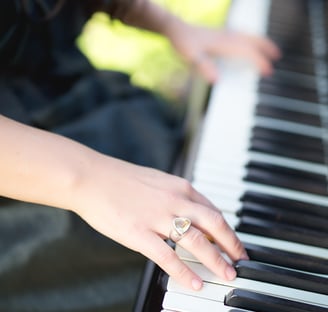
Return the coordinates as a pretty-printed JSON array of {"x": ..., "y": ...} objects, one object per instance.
[{"x": 89, "y": 143}]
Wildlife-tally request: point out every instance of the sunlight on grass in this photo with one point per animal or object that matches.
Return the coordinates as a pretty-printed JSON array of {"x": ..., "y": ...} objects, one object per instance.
[{"x": 147, "y": 57}]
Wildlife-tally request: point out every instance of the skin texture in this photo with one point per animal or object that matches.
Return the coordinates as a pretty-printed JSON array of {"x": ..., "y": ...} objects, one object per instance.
[{"x": 45, "y": 168}]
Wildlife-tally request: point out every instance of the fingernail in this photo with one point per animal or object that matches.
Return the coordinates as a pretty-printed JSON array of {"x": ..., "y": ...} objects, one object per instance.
[
  {"x": 230, "y": 273},
  {"x": 196, "y": 284}
]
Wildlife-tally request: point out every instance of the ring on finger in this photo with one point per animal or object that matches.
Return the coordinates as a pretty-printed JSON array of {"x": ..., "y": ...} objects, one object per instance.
[{"x": 180, "y": 227}]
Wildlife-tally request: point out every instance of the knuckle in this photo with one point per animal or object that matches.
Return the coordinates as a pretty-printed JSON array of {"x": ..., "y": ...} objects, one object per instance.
[
  {"x": 167, "y": 256},
  {"x": 186, "y": 187},
  {"x": 196, "y": 239},
  {"x": 182, "y": 272},
  {"x": 168, "y": 198},
  {"x": 219, "y": 220},
  {"x": 220, "y": 262},
  {"x": 237, "y": 246}
]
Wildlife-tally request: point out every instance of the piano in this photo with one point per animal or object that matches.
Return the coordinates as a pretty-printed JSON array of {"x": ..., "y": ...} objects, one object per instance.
[{"x": 261, "y": 155}]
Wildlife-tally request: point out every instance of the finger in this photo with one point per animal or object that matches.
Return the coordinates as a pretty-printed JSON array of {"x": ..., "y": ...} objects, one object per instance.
[
  {"x": 260, "y": 60},
  {"x": 164, "y": 256},
  {"x": 267, "y": 46},
  {"x": 206, "y": 67},
  {"x": 212, "y": 223},
  {"x": 263, "y": 51},
  {"x": 199, "y": 198},
  {"x": 258, "y": 51},
  {"x": 195, "y": 242},
  {"x": 262, "y": 63}
]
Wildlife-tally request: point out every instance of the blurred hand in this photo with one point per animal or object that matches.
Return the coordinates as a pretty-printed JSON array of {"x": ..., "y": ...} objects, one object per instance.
[{"x": 201, "y": 46}]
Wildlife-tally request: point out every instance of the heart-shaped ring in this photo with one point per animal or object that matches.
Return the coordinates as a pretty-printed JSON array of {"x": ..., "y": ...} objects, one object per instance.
[{"x": 180, "y": 227}]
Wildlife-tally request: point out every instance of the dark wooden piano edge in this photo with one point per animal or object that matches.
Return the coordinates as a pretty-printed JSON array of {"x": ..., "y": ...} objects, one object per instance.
[{"x": 152, "y": 289}]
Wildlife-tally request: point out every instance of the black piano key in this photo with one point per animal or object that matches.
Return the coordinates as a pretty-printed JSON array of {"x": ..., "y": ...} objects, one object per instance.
[
  {"x": 296, "y": 64},
  {"x": 267, "y": 178},
  {"x": 276, "y": 28},
  {"x": 281, "y": 276},
  {"x": 288, "y": 115},
  {"x": 290, "y": 12},
  {"x": 286, "y": 28},
  {"x": 292, "y": 17},
  {"x": 280, "y": 231},
  {"x": 294, "y": 152},
  {"x": 290, "y": 92},
  {"x": 250, "y": 300},
  {"x": 287, "y": 259},
  {"x": 294, "y": 47},
  {"x": 288, "y": 80},
  {"x": 286, "y": 203},
  {"x": 270, "y": 213},
  {"x": 297, "y": 183},
  {"x": 291, "y": 139},
  {"x": 289, "y": 172}
]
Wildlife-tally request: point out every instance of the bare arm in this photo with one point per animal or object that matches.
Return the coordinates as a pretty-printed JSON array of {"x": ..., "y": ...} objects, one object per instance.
[
  {"x": 116, "y": 198},
  {"x": 39, "y": 166}
]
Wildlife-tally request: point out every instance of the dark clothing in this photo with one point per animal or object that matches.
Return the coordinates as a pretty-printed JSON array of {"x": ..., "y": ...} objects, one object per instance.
[{"x": 50, "y": 260}]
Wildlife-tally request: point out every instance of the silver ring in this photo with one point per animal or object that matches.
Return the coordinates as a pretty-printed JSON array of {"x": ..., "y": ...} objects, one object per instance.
[{"x": 180, "y": 227}]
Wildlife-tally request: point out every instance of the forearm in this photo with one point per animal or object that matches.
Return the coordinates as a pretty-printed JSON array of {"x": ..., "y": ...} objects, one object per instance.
[{"x": 41, "y": 167}]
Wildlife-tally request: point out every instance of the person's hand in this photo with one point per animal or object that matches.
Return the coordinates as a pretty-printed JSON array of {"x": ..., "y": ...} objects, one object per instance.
[
  {"x": 201, "y": 46},
  {"x": 136, "y": 205}
]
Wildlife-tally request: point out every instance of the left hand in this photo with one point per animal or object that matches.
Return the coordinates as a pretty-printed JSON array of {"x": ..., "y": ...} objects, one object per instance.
[{"x": 200, "y": 46}]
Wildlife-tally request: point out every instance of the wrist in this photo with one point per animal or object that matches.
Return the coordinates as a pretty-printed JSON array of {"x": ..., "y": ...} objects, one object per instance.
[{"x": 171, "y": 26}]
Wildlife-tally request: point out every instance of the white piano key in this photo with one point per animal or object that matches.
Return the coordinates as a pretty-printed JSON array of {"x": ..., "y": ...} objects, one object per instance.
[
  {"x": 221, "y": 141},
  {"x": 290, "y": 104},
  {"x": 289, "y": 126},
  {"x": 238, "y": 147},
  {"x": 236, "y": 173},
  {"x": 182, "y": 302},
  {"x": 226, "y": 200},
  {"x": 300, "y": 79},
  {"x": 224, "y": 122},
  {"x": 227, "y": 204},
  {"x": 214, "y": 286},
  {"x": 283, "y": 245},
  {"x": 226, "y": 196},
  {"x": 237, "y": 188},
  {"x": 256, "y": 21},
  {"x": 211, "y": 162},
  {"x": 275, "y": 243},
  {"x": 209, "y": 168},
  {"x": 206, "y": 292}
]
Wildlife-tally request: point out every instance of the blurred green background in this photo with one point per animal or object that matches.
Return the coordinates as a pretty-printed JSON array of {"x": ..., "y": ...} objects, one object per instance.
[{"x": 147, "y": 57}]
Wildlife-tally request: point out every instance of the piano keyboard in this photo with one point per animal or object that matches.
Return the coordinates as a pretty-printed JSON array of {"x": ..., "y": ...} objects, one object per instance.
[{"x": 263, "y": 160}]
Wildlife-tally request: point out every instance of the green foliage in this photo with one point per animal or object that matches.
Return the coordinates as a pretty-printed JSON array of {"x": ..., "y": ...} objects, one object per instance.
[{"x": 147, "y": 57}]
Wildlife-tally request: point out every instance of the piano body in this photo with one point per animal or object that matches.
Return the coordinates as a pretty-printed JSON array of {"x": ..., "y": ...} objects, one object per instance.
[{"x": 261, "y": 155}]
